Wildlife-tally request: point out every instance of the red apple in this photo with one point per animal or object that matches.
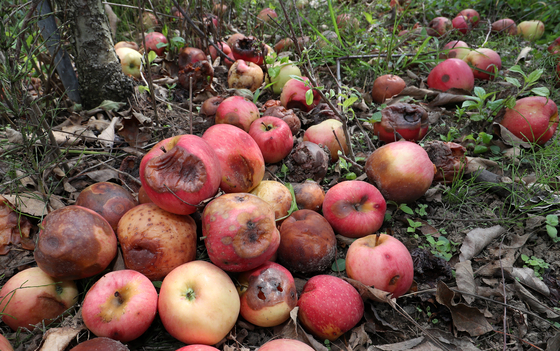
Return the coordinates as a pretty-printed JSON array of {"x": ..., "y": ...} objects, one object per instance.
[
  {"x": 5, "y": 344},
  {"x": 190, "y": 56},
  {"x": 329, "y": 307},
  {"x": 309, "y": 195},
  {"x": 354, "y": 208},
  {"x": 121, "y": 305},
  {"x": 237, "y": 111},
  {"x": 223, "y": 46},
  {"x": 441, "y": 25},
  {"x": 386, "y": 86},
  {"x": 180, "y": 172},
  {"x": 534, "y": 119},
  {"x": 198, "y": 303},
  {"x": 472, "y": 16},
  {"x": 505, "y": 25},
  {"x": 277, "y": 195},
  {"x": 293, "y": 95},
  {"x": 249, "y": 49},
  {"x": 154, "y": 241},
  {"x": 267, "y": 14},
  {"x": 32, "y": 296},
  {"x": 451, "y": 73},
  {"x": 554, "y": 48},
  {"x": 101, "y": 343},
  {"x": 198, "y": 347},
  {"x": 233, "y": 38},
  {"x": 381, "y": 261},
  {"x": 127, "y": 44},
  {"x": 240, "y": 157},
  {"x": 324, "y": 134},
  {"x": 531, "y": 30},
  {"x": 245, "y": 75},
  {"x": 74, "y": 243},
  {"x": 268, "y": 294},
  {"x": 153, "y": 39},
  {"x": 402, "y": 171},
  {"x": 455, "y": 49},
  {"x": 402, "y": 120},
  {"x": 485, "y": 63},
  {"x": 239, "y": 231},
  {"x": 461, "y": 23},
  {"x": 273, "y": 136},
  {"x": 284, "y": 345}
]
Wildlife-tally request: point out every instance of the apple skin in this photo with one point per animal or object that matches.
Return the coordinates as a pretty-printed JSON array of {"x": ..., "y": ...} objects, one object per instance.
[
  {"x": 273, "y": 136},
  {"x": 472, "y": 16},
  {"x": 240, "y": 157},
  {"x": 277, "y": 195},
  {"x": 329, "y": 307},
  {"x": 154, "y": 241},
  {"x": 293, "y": 95},
  {"x": 198, "y": 347},
  {"x": 198, "y": 303},
  {"x": 534, "y": 119},
  {"x": 284, "y": 345},
  {"x": 75, "y": 243},
  {"x": 154, "y": 38},
  {"x": 456, "y": 49},
  {"x": 322, "y": 134},
  {"x": 505, "y": 25},
  {"x": 267, "y": 14},
  {"x": 245, "y": 75},
  {"x": 309, "y": 195},
  {"x": 386, "y": 86},
  {"x": 237, "y": 111},
  {"x": 451, "y": 73},
  {"x": 482, "y": 61},
  {"x": 40, "y": 299},
  {"x": 286, "y": 70},
  {"x": 531, "y": 30},
  {"x": 268, "y": 294},
  {"x": 554, "y": 48},
  {"x": 402, "y": 171},
  {"x": 183, "y": 175},
  {"x": 100, "y": 344},
  {"x": 223, "y": 46},
  {"x": 131, "y": 61},
  {"x": 381, "y": 261},
  {"x": 461, "y": 23},
  {"x": 410, "y": 121},
  {"x": 354, "y": 208},
  {"x": 440, "y": 25},
  {"x": 240, "y": 231},
  {"x": 121, "y": 305},
  {"x": 5, "y": 344},
  {"x": 127, "y": 44}
]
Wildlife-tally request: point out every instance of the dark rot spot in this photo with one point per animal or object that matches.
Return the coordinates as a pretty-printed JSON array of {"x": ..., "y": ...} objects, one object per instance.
[
  {"x": 266, "y": 289},
  {"x": 242, "y": 171},
  {"x": 445, "y": 78},
  {"x": 452, "y": 54},
  {"x": 254, "y": 237},
  {"x": 394, "y": 280},
  {"x": 178, "y": 169}
]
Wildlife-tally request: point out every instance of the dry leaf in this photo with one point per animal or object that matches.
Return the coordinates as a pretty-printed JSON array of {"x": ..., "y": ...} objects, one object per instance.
[
  {"x": 465, "y": 279},
  {"x": 553, "y": 344},
  {"x": 359, "y": 337},
  {"x": 527, "y": 276},
  {"x": 399, "y": 346},
  {"x": 475, "y": 164},
  {"x": 57, "y": 339},
  {"x": 508, "y": 138},
  {"x": 477, "y": 239},
  {"x": 369, "y": 293},
  {"x": 14, "y": 228},
  {"x": 103, "y": 175},
  {"x": 523, "y": 54},
  {"x": 107, "y": 136},
  {"x": 533, "y": 302}
]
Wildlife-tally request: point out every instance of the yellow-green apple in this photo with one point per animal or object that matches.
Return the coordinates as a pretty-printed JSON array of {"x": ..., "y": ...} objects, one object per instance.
[
  {"x": 308, "y": 242},
  {"x": 485, "y": 63},
  {"x": 462, "y": 24},
  {"x": 505, "y": 25},
  {"x": 5, "y": 344},
  {"x": 198, "y": 347},
  {"x": 284, "y": 345},
  {"x": 279, "y": 73},
  {"x": 309, "y": 195},
  {"x": 402, "y": 171},
  {"x": 277, "y": 195},
  {"x": 324, "y": 134},
  {"x": 198, "y": 303},
  {"x": 156, "y": 42},
  {"x": 273, "y": 136},
  {"x": 180, "y": 172},
  {"x": 451, "y": 73},
  {"x": 294, "y": 92},
  {"x": 381, "y": 261},
  {"x": 237, "y": 111},
  {"x": 455, "y": 49},
  {"x": 440, "y": 25},
  {"x": 74, "y": 243},
  {"x": 154, "y": 241},
  {"x": 402, "y": 121},
  {"x": 386, "y": 86},
  {"x": 239, "y": 231},
  {"x": 531, "y": 30},
  {"x": 101, "y": 343},
  {"x": 354, "y": 208},
  {"x": 329, "y": 307},
  {"x": 121, "y": 305},
  {"x": 131, "y": 61},
  {"x": 534, "y": 119},
  {"x": 554, "y": 48},
  {"x": 239, "y": 156},
  {"x": 268, "y": 294},
  {"x": 32, "y": 296},
  {"x": 267, "y": 14},
  {"x": 245, "y": 75},
  {"x": 110, "y": 200}
]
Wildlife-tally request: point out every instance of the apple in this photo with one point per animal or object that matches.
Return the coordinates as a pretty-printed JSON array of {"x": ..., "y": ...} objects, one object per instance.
[
  {"x": 283, "y": 45},
  {"x": 210, "y": 106},
  {"x": 277, "y": 195},
  {"x": 386, "y": 86},
  {"x": 154, "y": 241},
  {"x": 32, "y": 296},
  {"x": 330, "y": 38},
  {"x": 190, "y": 56},
  {"x": 461, "y": 23},
  {"x": 233, "y": 38},
  {"x": 324, "y": 134},
  {"x": 249, "y": 49},
  {"x": 455, "y": 49},
  {"x": 279, "y": 73},
  {"x": 142, "y": 196},
  {"x": 273, "y": 136},
  {"x": 237, "y": 111},
  {"x": 451, "y": 73},
  {"x": 198, "y": 303},
  {"x": 74, "y": 243},
  {"x": 180, "y": 172},
  {"x": 308, "y": 242},
  {"x": 402, "y": 120},
  {"x": 285, "y": 344},
  {"x": 531, "y": 30},
  {"x": 329, "y": 307},
  {"x": 153, "y": 39},
  {"x": 309, "y": 195},
  {"x": 287, "y": 115},
  {"x": 381, "y": 261},
  {"x": 402, "y": 171},
  {"x": 5, "y": 344},
  {"x": 245, "y": 75},
  {"x": 239, "y": 231},
  {"x": 198, "y": 347},
  {"x": 440, "y": 25},
  {"x": 149, "y": 20},
  {"x": 449, "y": 159},
  {"x": 239, "y": 156},
  {"x": 101, "y": 343},
  {"x": 472, "y": 16},
  {"x": 110, "y": 200},
  {"x": 223, "y": 46},
  {"x": 121, "y": 305},
  {"x": 268, "y": 294},
  {"x": 354, "y": 208},
  {"x": 131, "y": 61},
  {"x": 307, "y": 161},
  {"x": 505, "y": 25},
  {"x": 127, "y": 44},
  {"x": 485, "y": 63},
  {"x": 534, "y": 119},
  {"x": 267, "y": 14},
  {"x": 554, "y": 48},
  {"x": 293, "y": 94}
]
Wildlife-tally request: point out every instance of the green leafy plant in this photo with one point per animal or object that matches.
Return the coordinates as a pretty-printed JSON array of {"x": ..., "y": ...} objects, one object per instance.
[
  {"x": 537, "y": 264},
  {"x": 482, "y": 143},
  {"x": 484, "y": 105},
  {"x": 442, "y": 247},
  {"x": 551, "y": 224},
  {"x": 412, "y": 225}
]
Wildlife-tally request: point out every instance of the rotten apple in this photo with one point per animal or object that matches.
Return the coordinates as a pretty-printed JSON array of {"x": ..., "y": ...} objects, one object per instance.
[
  {"x": 402, "y": 121},
  {"x": 294, "y": 94},
  {"x": 440, "y": 25},
  {"x": 101, "y": 343},
  {"x": 245, "y": 75},
  {"x": 249, "y": 49},
  {"x": 309, "y": 195},
  {"x": 386, "y": 86}
]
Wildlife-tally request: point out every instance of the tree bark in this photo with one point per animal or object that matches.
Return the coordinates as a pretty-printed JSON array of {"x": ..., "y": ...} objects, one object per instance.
[{"x": 99, "y": 71}]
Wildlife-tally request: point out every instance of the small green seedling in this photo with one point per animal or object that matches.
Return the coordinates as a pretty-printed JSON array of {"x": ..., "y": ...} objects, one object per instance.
[
  {"x": 537, "y": 264},
  {"x": 551, "y": 224}
]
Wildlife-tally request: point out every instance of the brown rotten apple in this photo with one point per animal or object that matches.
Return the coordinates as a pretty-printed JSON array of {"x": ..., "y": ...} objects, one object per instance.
[
  {"x": 245, "y": 75},
  {"x": 286, "y": 115},
  {"x": 309, "y": 195},
  {"x": 307, "y": 161},
  {"x": 101, "y": 343},
  {"x": 449, "y": 159},
  {"x": 249, "y": 49},
  {"x": 402, "y": 120},
  {"x": 239, "y": 231},
  {"x": 386, "y": 86},
  {"x": 189, "y": 55}
]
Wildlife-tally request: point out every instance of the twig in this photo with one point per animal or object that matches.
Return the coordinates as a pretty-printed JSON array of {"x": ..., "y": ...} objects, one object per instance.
[{"x": 504, "y": 292}]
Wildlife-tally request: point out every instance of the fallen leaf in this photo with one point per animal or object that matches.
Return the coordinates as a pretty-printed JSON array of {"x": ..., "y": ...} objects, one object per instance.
[
  {"x": 465, "y": 279},
  {"x": 527, "y": 276},
  {"x": 477, "y": 239},
  {"x": 14, "y": 228},
  {"x": 369, "y": 293},
  {"x": 107, "y": 136},
  {"x": 399, "y": 346},
  {"x": 553, "y": 344},
  {"x": 533, "y": 302},
  {"x": 103, "y": 175},
  {"x": 57, "y": 339}
]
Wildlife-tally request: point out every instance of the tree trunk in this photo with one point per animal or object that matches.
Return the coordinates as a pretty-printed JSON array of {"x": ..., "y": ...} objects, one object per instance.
[{"x": 99, "y": 70}]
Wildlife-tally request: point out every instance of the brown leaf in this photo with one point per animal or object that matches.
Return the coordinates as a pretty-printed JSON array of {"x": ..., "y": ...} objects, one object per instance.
[
  {"x": 14, "y": 228},
  {"x": 477, "y": 239},
  {"x": 57, "y": 339},
  {"x": 132, "y": 133},
  {"x": 465, "y": 279},
  {"x": 369, "y": 293}
]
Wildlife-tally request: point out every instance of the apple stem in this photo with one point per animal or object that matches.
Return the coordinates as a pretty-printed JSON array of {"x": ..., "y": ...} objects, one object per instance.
[
  {"x": 119, "y": 297},
  {"x": 266, "y": 126},
  {"x": 190, "y": 294},
  {"x": 377, "y": 236}
]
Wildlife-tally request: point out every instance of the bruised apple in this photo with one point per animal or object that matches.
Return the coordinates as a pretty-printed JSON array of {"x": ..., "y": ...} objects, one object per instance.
[
  {"x": 455, "y": 49},
  {"x": 239, "y": 231},
  {"x": 324, "y": 134},
  {"x": 276, "y": 194},
  {"x": 440, "y": 25},
  {"x": 100, "y": 343},
  {"x": 386, "y": 86},
  {"x": 451, "y": 73},
  {"x": 245, "y": 75},
  {"x": 485, "y": 63},
  {"x": 268, "y": 294},
  {"x": 294, "y": 92},
  {"x": 402, "y": 121},
  {"x": 309, "y": 195}
]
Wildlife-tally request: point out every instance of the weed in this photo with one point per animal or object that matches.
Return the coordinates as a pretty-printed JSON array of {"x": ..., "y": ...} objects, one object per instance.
[{"x": 537, "y": 264}]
